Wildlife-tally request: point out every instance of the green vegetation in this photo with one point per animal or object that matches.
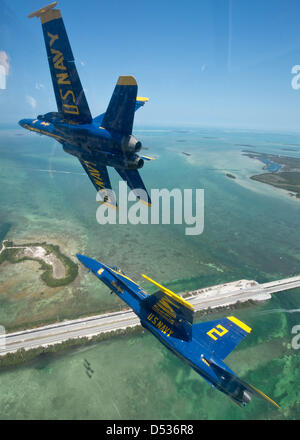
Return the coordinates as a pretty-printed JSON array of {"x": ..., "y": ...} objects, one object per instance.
[
  {"x": 9, "y": 255},
  {"x": 289, "y": 181},
  {"x": 71, "y": 268},
  {"x": 288, "y": 177},
  {"x": 231, "y": 176}
]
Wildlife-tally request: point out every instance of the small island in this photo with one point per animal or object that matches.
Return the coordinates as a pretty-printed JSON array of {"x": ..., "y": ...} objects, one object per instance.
[
  {"x": 231, "y": 176},
  {"x": 284, "y": 171},
  {"x": 58, "y": 269}
]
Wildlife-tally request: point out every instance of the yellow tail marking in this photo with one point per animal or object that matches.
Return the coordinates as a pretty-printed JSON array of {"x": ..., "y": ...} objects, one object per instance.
[
  {"x": 126, "y": 81},
  {"x": 42, "y": 11},
  {"x": 142, "y": 99},
  {"x": 47, "y": 13},
  {"x": 239, "y": 323},
  {"x": 170, "y": 293},
  {"x": 149, "y": 157},
  {"x": 217, "y": 332}
]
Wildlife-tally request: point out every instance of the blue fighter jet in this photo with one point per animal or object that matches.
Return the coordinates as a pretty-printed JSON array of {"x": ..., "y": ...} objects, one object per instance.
[
  {"x": 106, "y": 140},
  {"x": 169, "y": 318}
]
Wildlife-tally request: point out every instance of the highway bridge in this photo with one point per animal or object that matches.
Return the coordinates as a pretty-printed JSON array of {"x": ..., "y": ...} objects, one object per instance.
[{"x": 222, "y": 295}]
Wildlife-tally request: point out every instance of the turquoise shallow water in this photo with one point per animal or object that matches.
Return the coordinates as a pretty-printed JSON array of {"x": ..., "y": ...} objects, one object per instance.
[{"x": 251, "y": 231}]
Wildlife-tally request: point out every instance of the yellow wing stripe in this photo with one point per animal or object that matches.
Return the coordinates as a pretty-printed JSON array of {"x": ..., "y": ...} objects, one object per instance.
[
  {"x": 142, "y": 99},
  {"x": 144, "y": 202},
  {"x": 239, "y": 323},
  {"x": 122, "y": 275},
  {"x": 170, "y": 293},
  {"x": 265, "y": 396},
  {"x": 149, "y": 157}
]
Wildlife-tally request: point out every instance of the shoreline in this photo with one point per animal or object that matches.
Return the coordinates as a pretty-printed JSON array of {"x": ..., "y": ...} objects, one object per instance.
[
  {"x": 283, "y": 172},
  {"x": 58, "y": 269}
]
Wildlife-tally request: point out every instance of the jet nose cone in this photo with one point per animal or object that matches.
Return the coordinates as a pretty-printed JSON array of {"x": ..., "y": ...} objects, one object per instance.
[
  {"x": 89, "y": 262},
  {"x": 24, "y": 122},
  {"x": 82, "y": 258}
]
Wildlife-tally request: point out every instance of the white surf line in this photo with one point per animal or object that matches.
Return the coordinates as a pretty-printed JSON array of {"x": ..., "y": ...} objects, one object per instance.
[
  {"x": 46, "y": 170},
  {"x": 59, "y": 171},
  {"x": 266, "y": 312}
]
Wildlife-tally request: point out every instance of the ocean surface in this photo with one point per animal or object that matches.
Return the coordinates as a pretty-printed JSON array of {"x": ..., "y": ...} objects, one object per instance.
[{"x": 251, "y": 231}]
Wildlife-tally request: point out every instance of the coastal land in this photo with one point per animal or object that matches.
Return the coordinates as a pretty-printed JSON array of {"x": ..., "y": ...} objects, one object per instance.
[
  {"x": 283, "y": 171},
  {"x": 57, "y": 268}
]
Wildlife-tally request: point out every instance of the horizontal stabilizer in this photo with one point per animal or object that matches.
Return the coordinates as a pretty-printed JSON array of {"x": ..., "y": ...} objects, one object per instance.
[
  {"x": 120, "y": 111},
  {"x": 135, "y": 183},
  {"x": 221, "y": 336},
  {"x": 147, "y": 158},
  {"x": 140, "y": 101}
]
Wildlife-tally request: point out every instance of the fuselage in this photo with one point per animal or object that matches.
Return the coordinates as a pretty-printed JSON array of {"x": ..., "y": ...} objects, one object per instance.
[
  {"x": 172, "y": 325},
  {"x": 89, "y": 140},
  {"x": 191, "y": 352}
]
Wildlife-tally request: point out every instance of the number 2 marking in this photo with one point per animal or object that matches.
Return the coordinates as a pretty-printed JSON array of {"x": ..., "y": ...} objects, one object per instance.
[{"x": 214, "y": 330}]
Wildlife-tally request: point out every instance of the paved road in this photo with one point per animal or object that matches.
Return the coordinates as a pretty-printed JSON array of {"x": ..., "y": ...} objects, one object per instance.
[
  {"x": 62, "y": 331},
  {"x": 216, "y": 296}
]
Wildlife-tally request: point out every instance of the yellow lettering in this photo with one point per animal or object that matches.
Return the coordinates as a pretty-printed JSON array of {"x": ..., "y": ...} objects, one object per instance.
[
  {"x": 52, "y": 38},
  {"x": 72, "y": 109},
  {"x": 164, "y": 304},
  {"x": 68, "y": 92},
  {"x": 62, "y": 79},
  {"x": 60, "y": 64},
  {"x": 57, "y": 55}
]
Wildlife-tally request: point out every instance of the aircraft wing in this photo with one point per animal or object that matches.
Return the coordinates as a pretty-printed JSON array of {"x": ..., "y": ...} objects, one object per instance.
[
  {"x": 120, "y": 111},
  {"x": 129, "y": 291},
  {"x": 69, "y": 94},
  {"x": 233, "y": 382},
  {"x": 135, "y": 183},
  {"x": 98, "y": 175}
]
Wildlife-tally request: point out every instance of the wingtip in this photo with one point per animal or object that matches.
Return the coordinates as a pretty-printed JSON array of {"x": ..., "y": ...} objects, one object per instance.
[
  {"x": 142, "y": 99},
  {"x": 127, "y": 81},
  {"x": 145, "y": 202},
  {"x": 42, "y": 11},
  {"x": 263, "y": 395}
]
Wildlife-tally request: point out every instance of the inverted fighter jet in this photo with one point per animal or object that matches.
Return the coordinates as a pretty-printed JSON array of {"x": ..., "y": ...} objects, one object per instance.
[
  {"x": 106, "y": 140},
  {"x": 169, "y": 318}
]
